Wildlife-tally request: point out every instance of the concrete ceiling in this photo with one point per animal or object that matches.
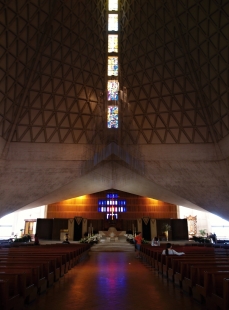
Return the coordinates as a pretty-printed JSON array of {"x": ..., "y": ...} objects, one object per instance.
[{"x": 173, "y": 138}]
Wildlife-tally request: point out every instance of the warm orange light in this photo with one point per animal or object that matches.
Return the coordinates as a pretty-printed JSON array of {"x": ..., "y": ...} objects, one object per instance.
[
  {"x": 76, "y": 199},
  {"x": 82, "y": 197},
  {"x": 153, "y": 200}
]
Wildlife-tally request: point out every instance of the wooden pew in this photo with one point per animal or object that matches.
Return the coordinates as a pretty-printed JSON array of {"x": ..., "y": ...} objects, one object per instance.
[
  {"x": 185, "y": 265},
  {"x": 60, "y": 258},
  {"x": 197, "y": 277},
  {"x": 67, "y": 255},
  {"x": 9, "y": 296},
  {"x": 159, "y": 259},
  {"x": 220, "y": 294},
  {"x": 171, "y": 262},
  {"x": 152, "y": 253},
  {"x": 177, "y": 264},
  {"x": 47, "y": 259},
  {"x": 209, "y": 282},
  {"x": 189, "y": 270},
  {"x": 37, "y": 279},
  {"x": 48, "y": 264},
  {"x": 43, "y": 264}
]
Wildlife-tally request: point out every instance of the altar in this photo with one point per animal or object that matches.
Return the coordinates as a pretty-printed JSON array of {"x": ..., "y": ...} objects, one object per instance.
[{"x": 112, "y": 235}]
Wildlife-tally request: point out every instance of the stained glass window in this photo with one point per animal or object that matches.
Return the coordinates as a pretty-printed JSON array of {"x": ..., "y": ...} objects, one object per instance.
[
  {"x": 112, "y": 90},
  {"x": 112, "y": 43},
  {"x": 112, "y": 195},
  {"x": 113, "y": 5},
  {"x": 115, "y": 205},
  {"x": 112, "y": 68},
  {"x": 112, "y": 216},
  {"x": 112, "y": 22},
  {"x": 112, "y": 117}
]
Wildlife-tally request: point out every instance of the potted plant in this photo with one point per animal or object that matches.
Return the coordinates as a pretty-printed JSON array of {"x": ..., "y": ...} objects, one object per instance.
[
  {"x": 202, "y": 232},
  {"x": 165, "y": 229}
]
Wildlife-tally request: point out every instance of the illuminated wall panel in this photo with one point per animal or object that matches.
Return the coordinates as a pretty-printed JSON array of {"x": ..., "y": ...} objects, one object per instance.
[
  {"x": 113, "y": 5},
  {"x": 87, "y": 207},
  {"x": 112, "y": 22},
  {"x": 112, "y": 43}
]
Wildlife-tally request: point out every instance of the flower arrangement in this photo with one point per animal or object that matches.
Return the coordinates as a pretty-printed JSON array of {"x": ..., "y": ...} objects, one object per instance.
[
  {"x": 166, "y": 227},
  {"x": 90, "y": 239},
  {"x": 129, "y": 238}
]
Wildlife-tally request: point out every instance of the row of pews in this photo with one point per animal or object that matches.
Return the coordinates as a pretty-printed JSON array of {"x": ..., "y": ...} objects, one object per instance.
[
  {"x": 26, "y": 272},
  {"x": 202, "y": 272}
]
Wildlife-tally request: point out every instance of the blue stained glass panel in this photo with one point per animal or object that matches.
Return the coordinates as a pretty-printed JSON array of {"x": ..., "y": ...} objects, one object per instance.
[
  {"x": 112, "y": 117},
  {"x": 112, "y": 203},
  {"x": 112, "y": 68},
  {"x": 112, "y": 90}
]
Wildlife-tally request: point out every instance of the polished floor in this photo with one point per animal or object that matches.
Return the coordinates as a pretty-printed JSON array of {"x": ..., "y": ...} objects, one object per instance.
[{"x": 112, "y": 281}]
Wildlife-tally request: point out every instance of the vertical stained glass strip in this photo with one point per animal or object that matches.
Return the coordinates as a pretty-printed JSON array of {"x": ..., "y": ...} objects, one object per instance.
[
  {"x": 112, "y": 43},
  {"x": 112, "y": 22},
  {"x": 112, "y": 90},
  {"x": 112, "y": 117},
  {"x": 113, "y": 5},
  {"x": 112, "y": 68}
]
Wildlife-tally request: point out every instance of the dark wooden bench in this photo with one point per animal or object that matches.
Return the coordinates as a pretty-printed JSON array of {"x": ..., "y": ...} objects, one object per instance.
[
  {"x": 220, "y": 293},
  {"x": 176, "y": 264},
  {"x": 37, "y": 279},
  {"x": 183, "y": 267},
  {"x": 60, "y": 258},
  {"x": 11, "y": 285},
  {"x": 52, "y": 264},
  {"x": 196, "y": 277},
  {"x": 36, "y": 266},
  {"x": 44, "y": 265},
  {"x": 209, "y": 282}
]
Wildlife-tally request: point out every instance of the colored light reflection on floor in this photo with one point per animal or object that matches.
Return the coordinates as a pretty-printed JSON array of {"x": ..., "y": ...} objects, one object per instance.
[
  {"x": 111, "y": 281},
  {"x": 111, "y": 276}
]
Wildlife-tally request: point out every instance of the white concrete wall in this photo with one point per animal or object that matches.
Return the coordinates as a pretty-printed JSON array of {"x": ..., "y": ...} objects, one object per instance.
[
  {"x": 12, "y": 224},
  {"x": 208, "y": 221}
]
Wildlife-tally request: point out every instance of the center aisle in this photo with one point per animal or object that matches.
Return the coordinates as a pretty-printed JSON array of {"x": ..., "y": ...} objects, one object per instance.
[{"x": 113, "y": 281}]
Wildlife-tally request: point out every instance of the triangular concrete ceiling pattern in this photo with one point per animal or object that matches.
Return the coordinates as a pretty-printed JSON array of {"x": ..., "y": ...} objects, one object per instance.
[
  {"x": 175, "y": 67},
  {"x": 173, "y": 60}
]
